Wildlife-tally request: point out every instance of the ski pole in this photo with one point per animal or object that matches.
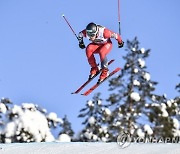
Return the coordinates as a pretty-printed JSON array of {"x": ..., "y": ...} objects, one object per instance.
[
  {"x": 70, "y": 26},
  {"x": 119, "y": 17}
]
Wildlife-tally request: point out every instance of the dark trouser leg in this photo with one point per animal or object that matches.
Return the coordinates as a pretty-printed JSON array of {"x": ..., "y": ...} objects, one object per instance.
[{"x": 104, "y": 63}]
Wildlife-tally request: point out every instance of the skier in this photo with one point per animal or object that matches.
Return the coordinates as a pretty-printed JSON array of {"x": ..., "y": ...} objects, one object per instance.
[{"x": 100, "y": 44}]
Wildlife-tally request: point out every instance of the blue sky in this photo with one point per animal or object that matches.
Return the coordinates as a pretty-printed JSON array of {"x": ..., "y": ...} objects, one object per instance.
[{"x": 41, "y": 62}]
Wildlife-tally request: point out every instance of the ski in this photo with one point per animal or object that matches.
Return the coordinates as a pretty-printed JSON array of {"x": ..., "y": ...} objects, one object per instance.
[
  {"x": 89, "y": 80},
  {"x": 99, "y": 83}
]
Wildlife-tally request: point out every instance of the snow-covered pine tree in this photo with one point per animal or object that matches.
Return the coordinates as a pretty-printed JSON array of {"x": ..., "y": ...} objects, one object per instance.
[
  {"x": 132, "y": 90},
  {"x": 165, "y": 116},
  {"x": 160, "y": 112},
  {"x": 95, "y": 114},
  {"x": 66, "y": 127},
  {"x": 4, "y": 107},
  {"x": 26, "y": 123}
]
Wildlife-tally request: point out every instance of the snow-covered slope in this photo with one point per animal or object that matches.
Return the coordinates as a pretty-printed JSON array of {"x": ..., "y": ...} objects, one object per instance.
[{"x": 87, "y": 148}]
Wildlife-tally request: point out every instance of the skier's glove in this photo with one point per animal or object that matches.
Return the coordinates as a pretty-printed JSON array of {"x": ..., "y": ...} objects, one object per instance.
[
  {"x": 120, "y": 45},
  {"x": 81, "y": 45}
]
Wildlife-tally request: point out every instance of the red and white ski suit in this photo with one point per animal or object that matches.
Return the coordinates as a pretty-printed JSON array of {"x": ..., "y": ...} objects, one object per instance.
[{"x": 102, "y": 45}]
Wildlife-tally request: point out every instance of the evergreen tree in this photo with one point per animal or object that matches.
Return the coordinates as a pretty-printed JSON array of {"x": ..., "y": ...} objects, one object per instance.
[
  {"x": 66, "y": 127},
  {"x": 26, "y": 123},
  {"x": 4, "y": 107},
  {"x": 96, "y": 114},
  {"x": 160, "y": 115},
  {"x": 165, "y": 116},
  {"x": 133, "y": 90},
  {"x": 133, "y": 105}
]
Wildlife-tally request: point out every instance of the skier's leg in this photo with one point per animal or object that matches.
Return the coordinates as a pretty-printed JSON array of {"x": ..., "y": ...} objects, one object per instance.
[
  {"x": 104, "y": 50},
  {"x": 90, "y": 51}
]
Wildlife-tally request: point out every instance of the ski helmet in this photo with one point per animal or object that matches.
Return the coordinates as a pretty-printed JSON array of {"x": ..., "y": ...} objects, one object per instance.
[{"x": 91, "y": 29}]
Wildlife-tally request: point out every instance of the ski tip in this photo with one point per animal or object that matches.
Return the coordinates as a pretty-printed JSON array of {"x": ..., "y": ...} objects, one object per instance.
[{"x": 63, "y": 15}]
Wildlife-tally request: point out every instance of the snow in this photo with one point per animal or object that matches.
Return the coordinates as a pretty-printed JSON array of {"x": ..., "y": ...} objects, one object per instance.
[
  {"x": 107, "y": 111},
  {"x": 90, "y": 103},
  {"x": 91, "y": 120},
  {"x": 176, "y": 133},
  {"x": 176, "y": 123},
  {"x": 105, "y": 129},
  {"x": 134, "y": 49},
  {"x": 163, "y": 105},
  {"x": 141, "y": 62},
  {"x": 95, "y": 137},
  {"x": 147, "y": 76},
  {"x": 29, "y": 106},
  {"x": 27, "y": 119},
  {"x": 88, "y": 135},
  {"x": 135, "y": 96},
  {"x": 104, "y": 139},
  {"x": 136, "y": 83},
  {"x": 118, "y": 123},
  {"x": 142, "y": 50},
  {"x": 140, "y": 133},
  {"x": 10, "y": 129},
  {"x": 153, "y": 98},
  {"x": 148, "y": 129},
  {"x": 88, "y": 148},
  {"x": 163, "y": 110},
  {"x": 3, "y": 108},
  {"x": 99, "y": 102},
  {"x": 53, "y": 116},
  {"x": 169, "y": 103},
  {"x": 135, "y": 70},
  {"x": 100, "y": 130},
  {"x": 17, "y": 110},
  {"x": 64, "y": 138}
]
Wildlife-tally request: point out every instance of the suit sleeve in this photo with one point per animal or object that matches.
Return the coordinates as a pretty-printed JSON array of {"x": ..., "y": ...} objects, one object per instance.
[
  {"x": 110, "y": 34},
  {"x": 82, "y": 34}
]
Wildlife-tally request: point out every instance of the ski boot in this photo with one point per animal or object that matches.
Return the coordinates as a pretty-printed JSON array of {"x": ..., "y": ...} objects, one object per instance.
[
  {"x": 104, "y": 74},
  {"x": 94, "y": 71}
]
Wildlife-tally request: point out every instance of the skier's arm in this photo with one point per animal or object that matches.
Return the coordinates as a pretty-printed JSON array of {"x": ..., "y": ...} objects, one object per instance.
[
  {"x": 110, "y": 34},
  {"x": 80, "y": 39}
]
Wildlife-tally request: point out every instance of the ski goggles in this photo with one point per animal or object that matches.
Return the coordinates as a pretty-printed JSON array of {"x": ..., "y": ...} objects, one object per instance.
[{"x": 90, "y": 34}]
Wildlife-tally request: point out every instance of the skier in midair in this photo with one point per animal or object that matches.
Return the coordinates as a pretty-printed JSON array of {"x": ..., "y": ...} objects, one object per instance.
[{"x": 100, "y": 44}]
